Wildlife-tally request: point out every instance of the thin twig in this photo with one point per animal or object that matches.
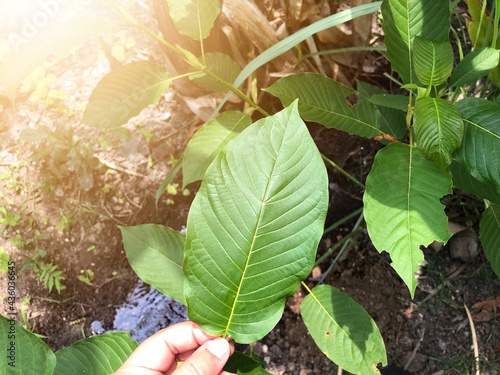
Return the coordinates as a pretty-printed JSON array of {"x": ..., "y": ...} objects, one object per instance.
[
  {"x": 120, "y": 169},
  {"x": 334, "y": 165},
  {"x": 339, "y": 371},
  {"x": 446, "y": 282},
  {"x": 342, "y": 250},
  {"x": 410, "y": 360},
  {"x": 474, "y": 340},
  {"x": 110, "y": 215}
]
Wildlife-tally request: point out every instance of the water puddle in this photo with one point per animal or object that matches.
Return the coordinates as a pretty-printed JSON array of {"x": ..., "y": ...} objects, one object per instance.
[{"x": 145, "y": 312}]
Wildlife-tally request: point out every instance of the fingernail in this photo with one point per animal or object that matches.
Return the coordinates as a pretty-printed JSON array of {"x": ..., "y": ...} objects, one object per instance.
[{"x": 219, "y": 348}]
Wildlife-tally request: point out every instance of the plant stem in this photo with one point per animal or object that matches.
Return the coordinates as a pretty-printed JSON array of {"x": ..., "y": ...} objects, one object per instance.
[
  {"x": 483, "y": 11},
  {"x": 334, "y": 165},
  {"x": 495, "y": 23},
  {"x": 236, "y": 91},
  {"x": 343, "y": 220},
  {"x": 343, "y": 249},
  {"x": 332, "y": 249},
  {"x": 130, "y": 18}
]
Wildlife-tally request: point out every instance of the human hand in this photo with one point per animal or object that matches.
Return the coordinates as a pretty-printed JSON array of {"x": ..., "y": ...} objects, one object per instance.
[{"x": 158, "y": 355}]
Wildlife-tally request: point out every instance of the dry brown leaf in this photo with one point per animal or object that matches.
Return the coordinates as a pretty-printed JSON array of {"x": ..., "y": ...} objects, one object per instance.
[{"x": 488, "y": 309}]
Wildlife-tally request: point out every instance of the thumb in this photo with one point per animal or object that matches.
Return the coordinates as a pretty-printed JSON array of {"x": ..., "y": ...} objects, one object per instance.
[{"x": 209, "y": 359}]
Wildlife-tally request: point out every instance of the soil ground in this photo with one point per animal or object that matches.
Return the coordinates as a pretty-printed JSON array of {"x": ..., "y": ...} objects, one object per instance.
[{"x": 78, "y": 231}]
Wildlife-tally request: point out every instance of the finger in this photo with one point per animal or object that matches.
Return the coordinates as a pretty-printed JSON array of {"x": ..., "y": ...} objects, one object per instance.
[
  {"x": 209, "y": 359},
  {"x": 160, "y": 351}
]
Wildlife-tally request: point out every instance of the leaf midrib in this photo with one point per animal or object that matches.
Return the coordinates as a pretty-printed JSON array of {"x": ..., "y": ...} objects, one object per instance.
[
  {"x": 105, "y": 111},
  {"x": 254, "y": 237},
  {"x": 341, "y": 115},
  {"x": 482, "y": 128},
  {"x": 408, "y": 206},
  {"x": 334, "y": 321}
]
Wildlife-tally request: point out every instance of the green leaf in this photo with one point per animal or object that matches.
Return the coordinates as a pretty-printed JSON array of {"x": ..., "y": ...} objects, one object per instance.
[
  {"x": 124, "y": 93},
  {"x": 243, "y": 364},
  {"x": 194, "y": 18},
  {"x": 343, "y": 330},
  {"x": 438, "y": 129},
  {"x": 155, "y": 253},
  {"x": 489, "y": 229},
  {"x": 391, "y": 107},
  {"x": 23, "y": 352},
  {"x": 465, "y": 182},
  {"x": 403, "y": 21},
  {"x": 221, "y": 65},
  {"x": 475, "y": 65},
  {"x": 208, "y": 141},
  {"x": 481, "y": 142},
  {"x": 399, "y": 102},
  {"x": 322, "y": 100},
  {"x": 433, "y": 61},
  {"x": 98, "y": 355},
  {"x": 402, "y": 207},
  {"x": 254, "y": 226}
]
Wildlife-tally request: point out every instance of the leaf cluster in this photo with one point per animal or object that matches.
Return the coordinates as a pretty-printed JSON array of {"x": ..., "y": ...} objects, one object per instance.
[{"x": 255, "y": 223}]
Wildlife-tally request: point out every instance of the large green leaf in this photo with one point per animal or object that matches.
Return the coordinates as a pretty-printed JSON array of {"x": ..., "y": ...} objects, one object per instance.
[
  {"x": 475, "y": 65},
  {"x": 433, "y": 61},
  {"x": 322, "y": 100},
  {"x": 22, "y": 352},
  {"x": 209, "y": 141},
  {"x": 156, "y": 253},
  {"x": 124, "y": 93},
  {"x": 489, "y": 232},
  {"x": 464, "y": 181},
  {"x": 343, "y": 330},
  {"x": 194, "y": 18},
  {"x": 481, "y": 142},
  {"x": 404, "y": 20},
  {"x": 402, "y": 207},
  {"x": 391, "y": 107},
  {"x": 98, "y": 355},
  {"x": 438, "y": 129},
  {"x": 254, "y": 226},
  {"x": 221, "y": 65}
]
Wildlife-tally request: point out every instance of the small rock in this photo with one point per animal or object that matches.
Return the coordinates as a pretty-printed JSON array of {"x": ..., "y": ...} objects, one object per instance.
[
  {"x": 442, "y": 345},
  {"x": 463, "y": 245}
]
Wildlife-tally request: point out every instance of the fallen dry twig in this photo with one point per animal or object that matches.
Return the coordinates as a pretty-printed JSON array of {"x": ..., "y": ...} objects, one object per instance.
[
  {"x": 474, "y": 339},
  {"x": 408, "y": 363}
]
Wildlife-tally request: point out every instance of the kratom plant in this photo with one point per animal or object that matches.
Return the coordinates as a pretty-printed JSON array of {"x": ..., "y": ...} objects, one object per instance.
[
  {"x": 255, "y": 223},
  {"x": 233, "y": 256},
  {"x": 237, "y": 263}
]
